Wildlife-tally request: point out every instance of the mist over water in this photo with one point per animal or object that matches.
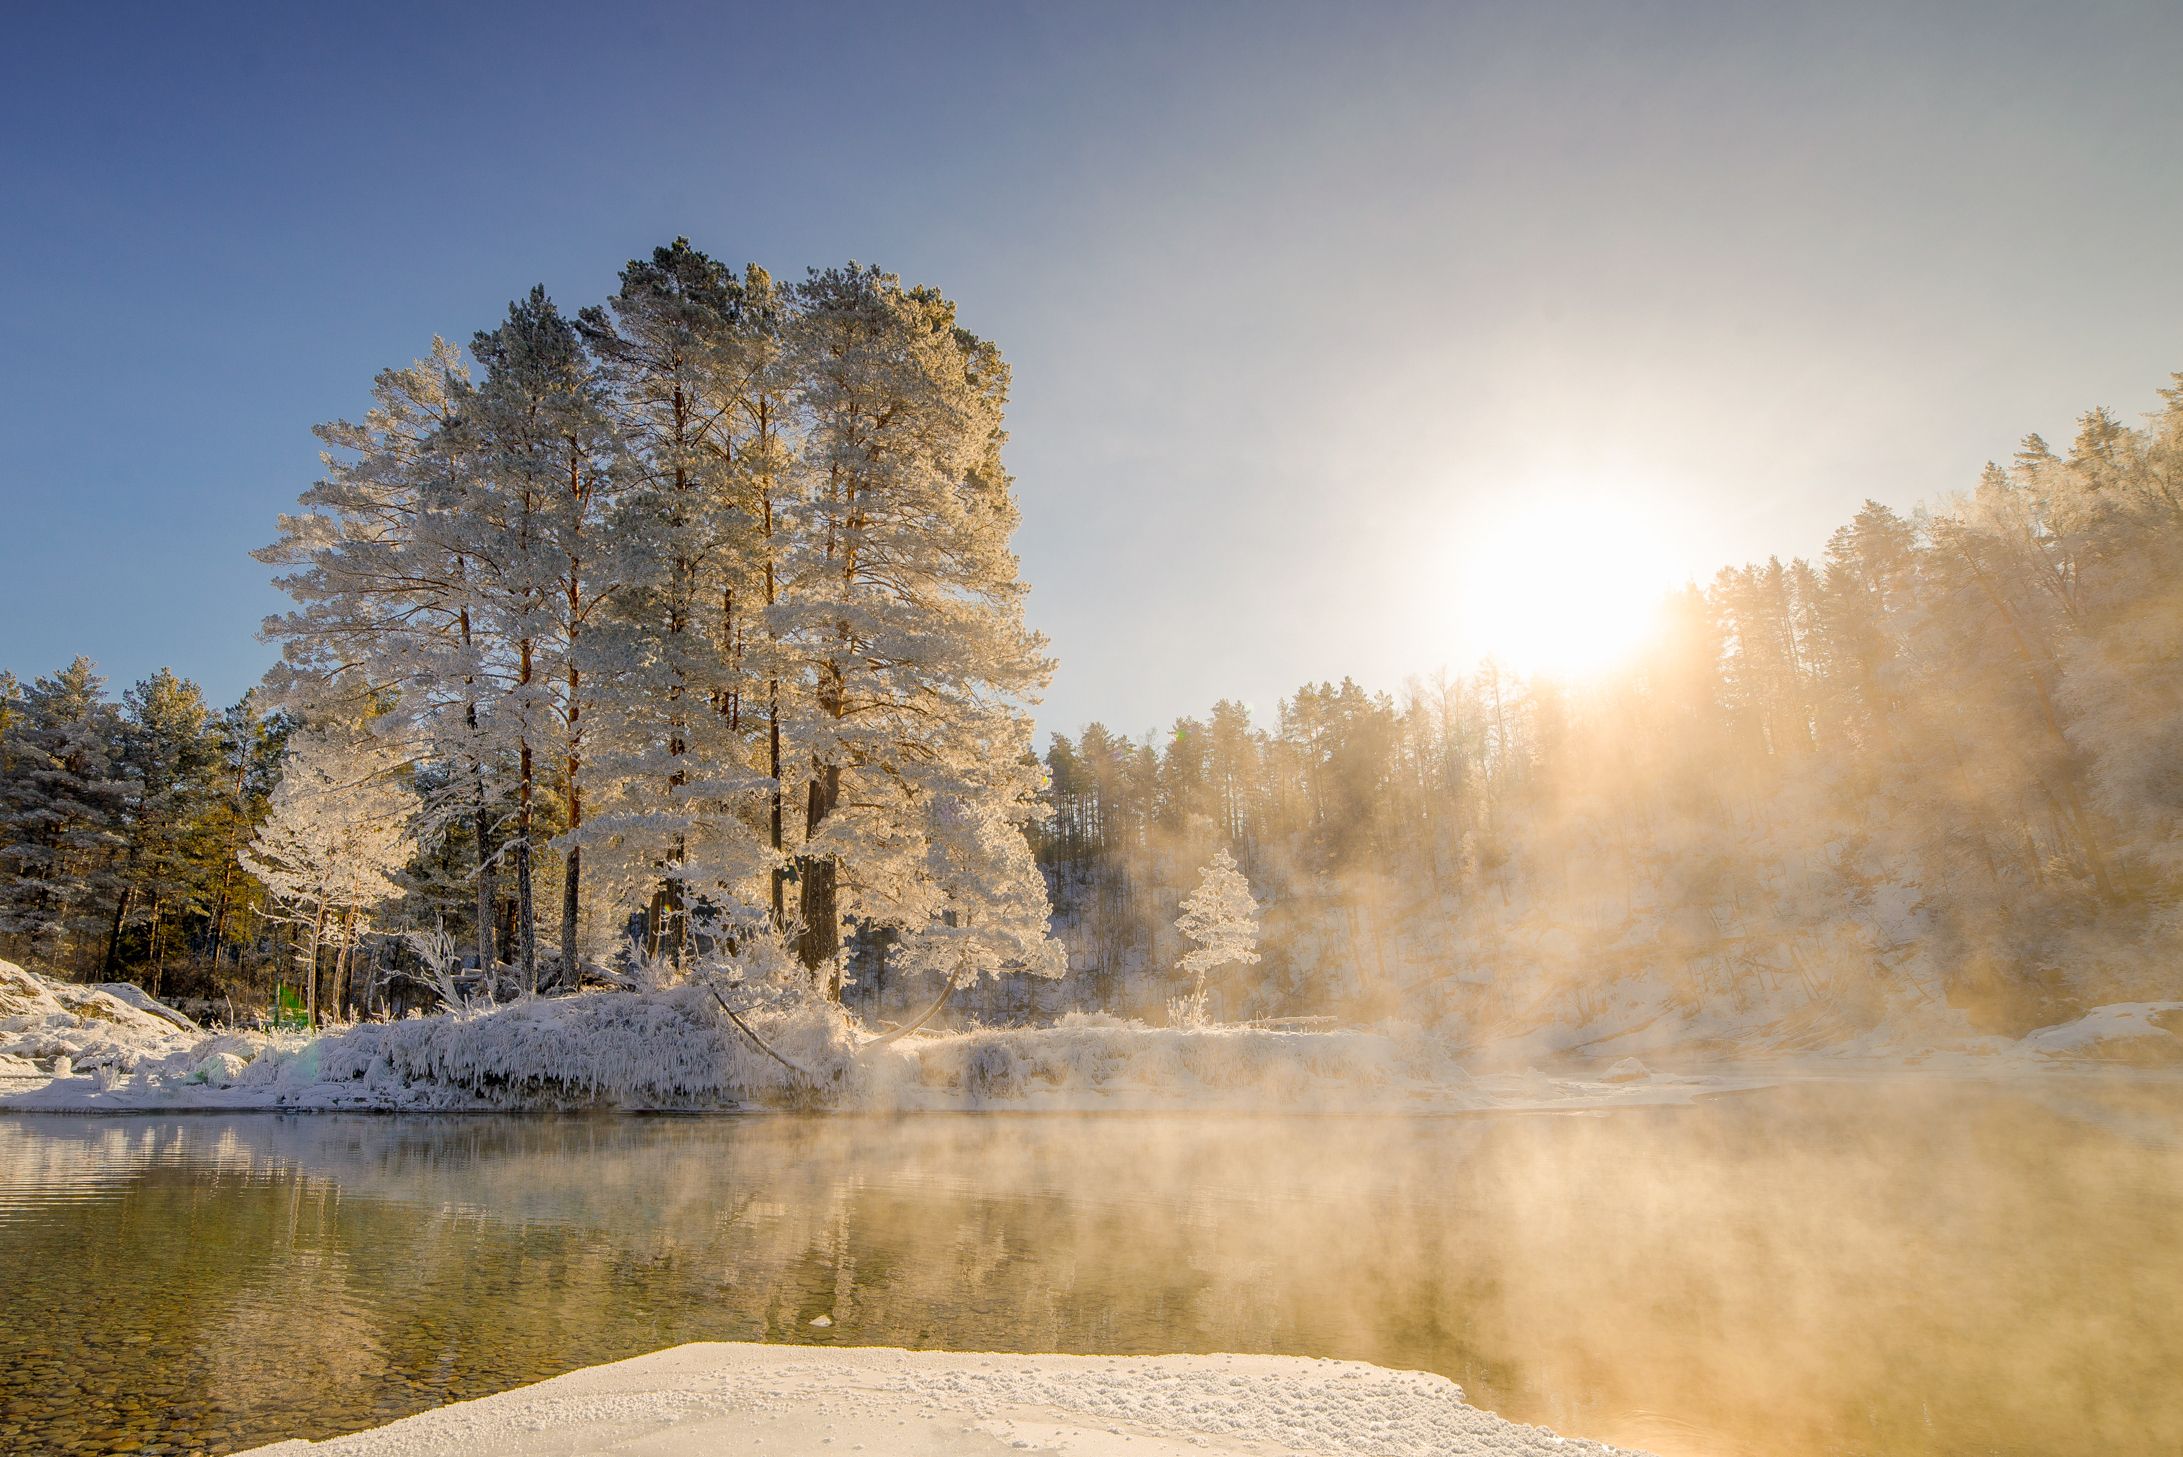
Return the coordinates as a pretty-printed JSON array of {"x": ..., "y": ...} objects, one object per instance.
[{"x": 1916, "y": 1267}]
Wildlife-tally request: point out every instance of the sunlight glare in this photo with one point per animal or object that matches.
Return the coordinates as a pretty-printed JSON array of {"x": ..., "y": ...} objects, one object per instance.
[{"x": 1566, "y": 585}]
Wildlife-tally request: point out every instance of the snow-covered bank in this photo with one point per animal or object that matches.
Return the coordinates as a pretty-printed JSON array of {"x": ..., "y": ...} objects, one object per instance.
[
  {"x": 707, "y": 1398},
  {"x": 93, "y": 1026},
  {"x": 676, "y": 1049},
  {"x": 65, "y": 1048}
]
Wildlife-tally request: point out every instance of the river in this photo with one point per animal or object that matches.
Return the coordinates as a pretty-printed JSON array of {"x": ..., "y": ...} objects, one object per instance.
[{"x": 1904, "y": 1267}]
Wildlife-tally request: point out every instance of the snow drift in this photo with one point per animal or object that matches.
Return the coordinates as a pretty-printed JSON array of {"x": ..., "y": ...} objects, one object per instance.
[
  {"x": 706, "y": 1398},
  {"x": 92, "y": 1027}
]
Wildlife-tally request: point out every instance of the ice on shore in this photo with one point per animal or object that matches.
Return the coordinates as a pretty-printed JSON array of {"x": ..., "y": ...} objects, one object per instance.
[{"x": 803, "y": 1401}]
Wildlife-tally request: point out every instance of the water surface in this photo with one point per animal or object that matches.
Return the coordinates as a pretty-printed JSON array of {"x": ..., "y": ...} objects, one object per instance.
[{"x": 1925, "y": 1268}]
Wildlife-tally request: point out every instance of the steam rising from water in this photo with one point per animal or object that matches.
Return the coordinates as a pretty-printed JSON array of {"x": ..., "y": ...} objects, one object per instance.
[{"x": 1923, "y": 1268}]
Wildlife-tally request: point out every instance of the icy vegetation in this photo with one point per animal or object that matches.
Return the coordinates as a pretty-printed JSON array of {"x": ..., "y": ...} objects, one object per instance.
[{"x": 709, "y": 1398}]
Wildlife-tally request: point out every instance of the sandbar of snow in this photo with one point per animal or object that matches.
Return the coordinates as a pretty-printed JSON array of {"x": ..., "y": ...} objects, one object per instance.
[{"x": 697, "y": 1400}]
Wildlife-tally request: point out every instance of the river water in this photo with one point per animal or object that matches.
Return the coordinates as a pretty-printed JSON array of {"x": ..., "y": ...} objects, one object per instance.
[{"x": 1923, "y": 1267}]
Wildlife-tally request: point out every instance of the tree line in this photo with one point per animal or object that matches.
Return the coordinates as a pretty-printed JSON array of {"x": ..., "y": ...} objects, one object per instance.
[
  {"x": 697, "y": 609},
  {"x": 121, "y": 825},
  {"x": 1944, "y": 760}
]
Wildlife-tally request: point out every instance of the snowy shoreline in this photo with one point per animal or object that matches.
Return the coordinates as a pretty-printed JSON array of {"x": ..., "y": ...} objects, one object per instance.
[
  {"x": 69, "y": 1048},
  {"x": 712, "y": 1397}
]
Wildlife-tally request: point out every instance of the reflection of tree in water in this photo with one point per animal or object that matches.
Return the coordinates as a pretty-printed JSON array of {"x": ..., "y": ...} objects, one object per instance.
[{"x": 1917, "y": 1269}]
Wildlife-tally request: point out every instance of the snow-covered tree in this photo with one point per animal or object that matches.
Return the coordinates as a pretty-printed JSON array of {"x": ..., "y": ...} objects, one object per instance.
[
  {"x": 711, "y": 593},
  {"x": 667, "y": 344},
  {"x": 382, "y": 567},
  {"x": 338, "y": 830},
  {"x": 1221, "y": 917},
  {"x": 902, "y": 613},
  {"x": 541, "y": 441}
]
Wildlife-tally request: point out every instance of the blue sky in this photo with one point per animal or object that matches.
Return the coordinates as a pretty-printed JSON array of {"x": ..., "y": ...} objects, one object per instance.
[{"x": 1300, "y": 299}]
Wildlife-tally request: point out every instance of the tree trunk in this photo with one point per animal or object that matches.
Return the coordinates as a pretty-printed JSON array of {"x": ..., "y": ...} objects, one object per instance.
[
  {"x": 488, "y": 892},
  {"x": 220, "y": 907},
  {"x": 310, "y": 993},
  {"x": 773, "y": 767},
  {"x": 818, "y": 939},
  {"x": 526, "y": 910},
  {"x": 158, "y": 957},
  {"x": 572, "y": 867},
  {"x": 343, "y": 1002},
  {"x": 112, "y": 963},
  {"x": 488, "y": 889}
]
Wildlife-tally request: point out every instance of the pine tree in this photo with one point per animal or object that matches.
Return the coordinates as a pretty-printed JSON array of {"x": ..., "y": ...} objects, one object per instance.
[
  {"x": 60, "y": 818},
  {"x": 667, "y": 347},
  {"x": 1222, "y": 919},
  {"x": 250, "y": 742},
  {"x": 541, "y": 439},
  {"x": 383, "y": 569},
  {"x": 902, "y": 613},
  {"x": 169, "y": 762}
]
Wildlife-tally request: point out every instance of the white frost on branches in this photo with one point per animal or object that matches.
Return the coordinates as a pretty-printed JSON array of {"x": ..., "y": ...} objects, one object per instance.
[
  {"x": 1222, "y": 918},
  {"x": 337, "y": 831}
]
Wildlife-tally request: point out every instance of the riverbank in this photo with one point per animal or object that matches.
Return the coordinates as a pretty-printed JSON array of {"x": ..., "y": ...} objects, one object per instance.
[
  {"x": 66, "y": 1048},
  {"x": 718, "y": 1397}
]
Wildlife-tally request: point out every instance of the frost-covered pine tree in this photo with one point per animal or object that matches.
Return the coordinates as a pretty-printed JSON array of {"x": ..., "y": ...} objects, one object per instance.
[
  {"x": 382, "y": 565},
  {"x": 1222, "y": 918},
  {"x": 901, "y": 617},
  {"x": 669, "y": 345},
  {"x": 337, "y": 831},
  {"x": 541, "y": 440}
]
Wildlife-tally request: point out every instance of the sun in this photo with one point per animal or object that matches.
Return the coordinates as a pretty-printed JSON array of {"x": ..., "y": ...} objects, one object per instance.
[{"x": 1566, "y": 584}]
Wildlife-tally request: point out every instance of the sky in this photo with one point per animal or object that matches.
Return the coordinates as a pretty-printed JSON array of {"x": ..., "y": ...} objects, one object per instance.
[{"x": 1330, "y": 325}]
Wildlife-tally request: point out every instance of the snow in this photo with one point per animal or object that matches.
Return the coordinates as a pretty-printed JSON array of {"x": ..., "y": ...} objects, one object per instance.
[
  {"x": 89, "y": 1049},
  {"x": 2121, "y": 1031},
  {"x": 672, "y": 1049},
  {"x": 695, "y": 1400},
  {"x": 93, "y": 1027}
]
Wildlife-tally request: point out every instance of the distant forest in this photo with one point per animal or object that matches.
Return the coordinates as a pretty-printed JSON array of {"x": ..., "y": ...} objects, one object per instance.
[{"x": 1942, "y": 763}]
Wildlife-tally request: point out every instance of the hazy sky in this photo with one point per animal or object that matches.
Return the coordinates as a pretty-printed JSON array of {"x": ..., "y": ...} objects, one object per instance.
[{"x": 1300, "y": 301}]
